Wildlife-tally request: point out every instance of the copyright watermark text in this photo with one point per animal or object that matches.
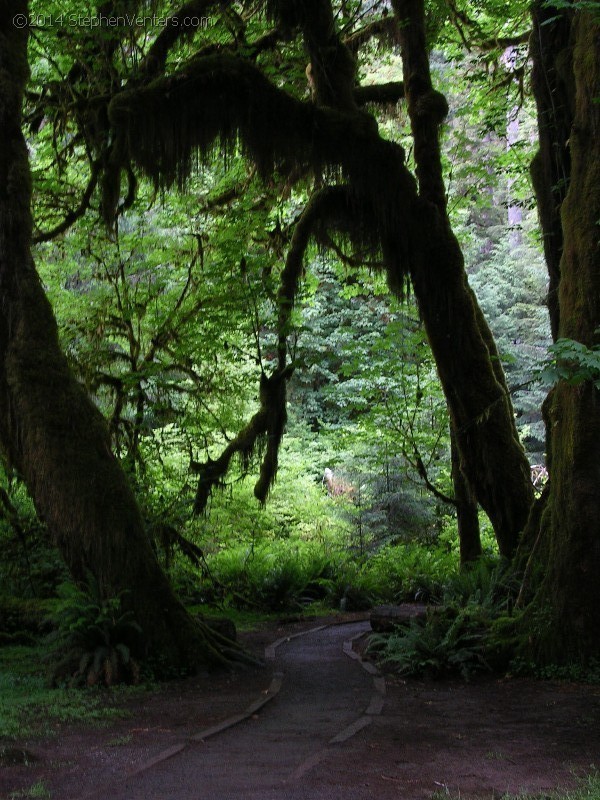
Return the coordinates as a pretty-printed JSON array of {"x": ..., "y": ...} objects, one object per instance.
[{"x": 107, "y": 21}]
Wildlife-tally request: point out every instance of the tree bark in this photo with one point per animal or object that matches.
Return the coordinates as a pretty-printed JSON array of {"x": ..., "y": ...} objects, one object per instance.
[
  {"x": 552, "y": 83},
  {"x": 49, "y": 429},
  {"x": 565, "y": 609},
  {"x": 491, "y": 455},
  {"x": 467, "y": 518}
]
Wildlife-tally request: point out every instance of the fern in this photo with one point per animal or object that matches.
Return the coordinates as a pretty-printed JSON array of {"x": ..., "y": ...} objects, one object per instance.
[{"x": 93, "y": 638}]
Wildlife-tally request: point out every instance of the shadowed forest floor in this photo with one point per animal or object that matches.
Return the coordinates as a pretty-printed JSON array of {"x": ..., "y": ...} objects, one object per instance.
[{"x": 480, "y": 739}]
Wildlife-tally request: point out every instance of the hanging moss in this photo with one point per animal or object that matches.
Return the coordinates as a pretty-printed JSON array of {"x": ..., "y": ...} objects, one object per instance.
[
  {"x": 261, "y": 435},
  {"x": 220, "y": 104}
]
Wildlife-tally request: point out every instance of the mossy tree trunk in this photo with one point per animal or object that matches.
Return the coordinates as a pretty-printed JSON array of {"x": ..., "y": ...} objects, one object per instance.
[
  {"x": 552, "y": 83},
  {"x": 467, "y": 518},
  {"x": 493, "y": 462},
  {"x": 564, "y": 613},
  {"x": 50, "y": 431}
]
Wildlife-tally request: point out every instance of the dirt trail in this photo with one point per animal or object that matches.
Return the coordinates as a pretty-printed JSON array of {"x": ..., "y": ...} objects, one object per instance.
[
  {"x": 331, "y": 733},
  {"x": 323, "y": 693}
]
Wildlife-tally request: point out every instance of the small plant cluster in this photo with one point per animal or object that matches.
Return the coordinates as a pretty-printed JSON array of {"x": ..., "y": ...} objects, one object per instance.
[
  {"x": 460, "y": 637},
  {"x": 587, "y": 788},
  {"x": 38, "y": 790},
  {"x": 273, "y": 576},
  {"x": 22, "y": 619},
  {"x": 579, "y": 673},
  {"x": 95, "y": 640},
  {"x": 572, "y": 362},
  {"x": 446, "y": 644}
]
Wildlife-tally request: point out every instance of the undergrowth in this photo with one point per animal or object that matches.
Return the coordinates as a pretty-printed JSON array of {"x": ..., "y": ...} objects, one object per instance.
[
  {"x": 30, "y": 707},
  {"x": 95, "y": 640},
  {"x": 464, "y": 635},
  {"x": 290, "y": 575}
]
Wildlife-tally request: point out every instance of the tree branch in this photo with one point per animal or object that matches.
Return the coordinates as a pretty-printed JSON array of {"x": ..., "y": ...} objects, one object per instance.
[
  {"x": 169, "y": 125},
  {"x": 327, "y": 206},
  {"x": 266, "y": 424},
  {"x": 75, "y": 214},
  {"x": 178, "y": 25},
  {"x": 385, "y": 28},
  {"x": 390, "y": 92}
]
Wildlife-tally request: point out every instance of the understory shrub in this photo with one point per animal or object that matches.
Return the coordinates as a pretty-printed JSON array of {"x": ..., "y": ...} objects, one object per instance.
[
  {"x": 448, "y": 643},
  {"x": 469, "y": 633},
  {"x": 95, "y": 640},
  {"x": 278, "y": 575},
  {"x": 407, "y": 572}
]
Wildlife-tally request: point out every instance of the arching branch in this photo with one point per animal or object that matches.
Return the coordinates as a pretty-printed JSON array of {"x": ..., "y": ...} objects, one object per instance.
[
  {"x": 385, "y": 28},
  {"x": 264, "y": 432},
  {"x": 330, "y": 206},
  {"x": 183, "y": 22},
  {"x": 76, "y": 213},
  {"x": 224, "y": 102}
]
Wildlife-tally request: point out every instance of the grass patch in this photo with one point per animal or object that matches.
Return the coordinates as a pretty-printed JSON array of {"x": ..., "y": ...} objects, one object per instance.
[
  {"x": 36, "y": 790},
  {"x": 587, "y": 789},
  {"x": 29, "y": 707}
]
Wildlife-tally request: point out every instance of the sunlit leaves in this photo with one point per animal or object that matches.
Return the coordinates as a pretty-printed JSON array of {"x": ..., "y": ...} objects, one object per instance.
[{"x": 572, "y": 362}]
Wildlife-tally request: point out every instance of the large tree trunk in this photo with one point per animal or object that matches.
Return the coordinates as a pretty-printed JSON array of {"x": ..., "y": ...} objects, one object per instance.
[
  {"x": 491, "y": 456},
  {"x": 569, "y": 596},
  {"x": 50, "y": 431},
  {"x": 552, "y": 83}
]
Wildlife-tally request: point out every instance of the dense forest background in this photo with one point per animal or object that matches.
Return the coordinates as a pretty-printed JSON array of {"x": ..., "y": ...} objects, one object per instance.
[{"x": 320, "y": 379}]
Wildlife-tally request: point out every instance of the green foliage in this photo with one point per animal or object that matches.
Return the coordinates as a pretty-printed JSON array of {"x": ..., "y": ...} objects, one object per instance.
[
  {"x": 587, "y": 788},
  {"x": 577, "y": 672},
  {"x": 407, "y": 572},
  {"x": 36, "y": 790},
  {"x": 488, "y": 583},
  {"x": 366, "y": 384},
  {"x": 30, "y": 707},
  {"x": 463, "y": 636},
  {"x": 23, "y": 615},
  {"x": 447, "y": 644},
  {"x": 169, "y": 323},
  {"x": 572, "y": 362},
  {"x": 29, "y": 564},
  {"x": 275, "y": 576},
  {"x": 510, "y": 283},
  {"x": 95, "y": 640}
]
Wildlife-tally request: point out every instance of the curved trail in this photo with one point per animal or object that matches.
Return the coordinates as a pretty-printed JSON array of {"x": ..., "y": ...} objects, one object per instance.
[
  {"x": 312, "y": 739},
  {"x": 324, "y": 699}
]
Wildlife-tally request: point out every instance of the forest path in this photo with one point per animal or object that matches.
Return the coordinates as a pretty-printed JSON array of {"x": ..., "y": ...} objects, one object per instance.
[
  {"x": 322, "y": 702},
  {"x": 329, "y": 733}
]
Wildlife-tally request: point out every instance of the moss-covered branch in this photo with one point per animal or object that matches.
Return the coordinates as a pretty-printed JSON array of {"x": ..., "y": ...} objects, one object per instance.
[
  {"x": 328, "y": 207},
  {"x": 72, "y": 216},
  {"x": 225, "y": 103},
  {"x": 384, "y": 29},
  {"x": 379, "y": 93},
  {"x": 261, "y": 435},
  {"x": 332, "y": 65}
]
